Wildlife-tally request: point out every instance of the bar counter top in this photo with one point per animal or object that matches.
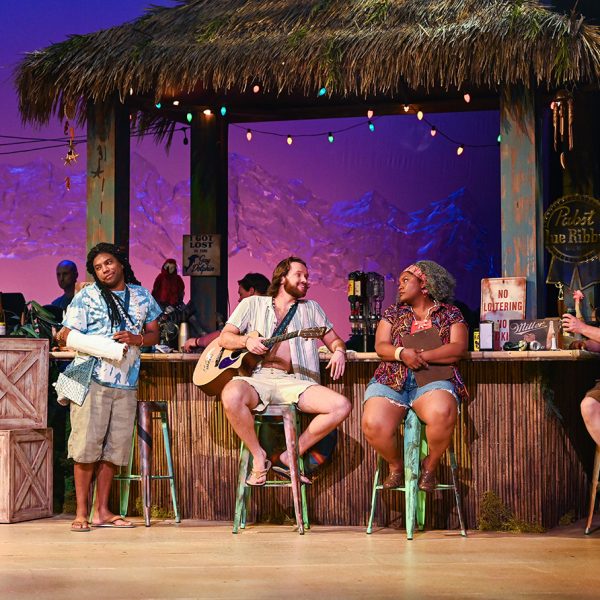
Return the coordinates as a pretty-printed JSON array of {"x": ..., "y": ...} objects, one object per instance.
[{"x": 487, "y": 355}]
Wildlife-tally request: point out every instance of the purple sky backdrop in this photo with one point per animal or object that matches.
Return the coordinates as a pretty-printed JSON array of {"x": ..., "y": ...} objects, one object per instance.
[{"x": 400, "y": 161}]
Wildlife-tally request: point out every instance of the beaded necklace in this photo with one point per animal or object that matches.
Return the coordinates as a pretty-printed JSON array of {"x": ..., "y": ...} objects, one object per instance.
[{"x": 425, "y": 323}]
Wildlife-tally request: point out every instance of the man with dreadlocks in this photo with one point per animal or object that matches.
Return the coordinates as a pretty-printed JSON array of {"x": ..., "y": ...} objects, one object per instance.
[{"x": 116, "y": 307}]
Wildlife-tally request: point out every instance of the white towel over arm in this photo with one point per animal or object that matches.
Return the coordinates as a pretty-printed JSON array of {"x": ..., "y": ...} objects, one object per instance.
[{"x": 96, "y": 345}]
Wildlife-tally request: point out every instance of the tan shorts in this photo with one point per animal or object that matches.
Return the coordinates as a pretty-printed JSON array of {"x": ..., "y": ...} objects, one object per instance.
[
  {"x": 102, "y": 427},
  {"x": 275, "y": 386},
  {"x": 595, "y": 391}
]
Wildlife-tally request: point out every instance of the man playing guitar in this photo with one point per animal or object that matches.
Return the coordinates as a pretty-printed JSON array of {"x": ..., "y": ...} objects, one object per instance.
[{"x": 289, "y": 371}]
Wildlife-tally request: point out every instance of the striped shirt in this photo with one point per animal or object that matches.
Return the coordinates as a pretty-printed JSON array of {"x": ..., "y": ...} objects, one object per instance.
[{"x": 256, "y": 313}]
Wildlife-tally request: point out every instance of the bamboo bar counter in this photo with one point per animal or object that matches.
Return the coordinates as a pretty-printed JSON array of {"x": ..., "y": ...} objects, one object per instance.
[{"x": 520, "y": 436}]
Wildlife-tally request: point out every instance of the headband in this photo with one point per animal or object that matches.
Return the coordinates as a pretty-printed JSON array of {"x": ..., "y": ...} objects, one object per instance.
[{"x": 416, "y": 271}]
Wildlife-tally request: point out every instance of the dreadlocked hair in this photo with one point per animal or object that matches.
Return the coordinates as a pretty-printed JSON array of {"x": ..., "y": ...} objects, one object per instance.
[{"x": 114, "y": 312}]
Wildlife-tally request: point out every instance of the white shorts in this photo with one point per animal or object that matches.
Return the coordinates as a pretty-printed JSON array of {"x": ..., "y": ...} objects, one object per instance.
[{"x": 275, "y": 386}]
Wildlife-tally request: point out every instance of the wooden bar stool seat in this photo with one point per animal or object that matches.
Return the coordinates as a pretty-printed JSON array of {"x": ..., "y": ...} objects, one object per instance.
[
  {"x": 145, "y": 411},
  {"x": 291, "y": 425},
  {"x": 415, "y": 450},
  {"x": 593, "y": 490}
]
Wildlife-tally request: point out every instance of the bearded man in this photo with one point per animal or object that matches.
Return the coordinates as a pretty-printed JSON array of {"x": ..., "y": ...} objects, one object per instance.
[{"x": 289, "y": 372}]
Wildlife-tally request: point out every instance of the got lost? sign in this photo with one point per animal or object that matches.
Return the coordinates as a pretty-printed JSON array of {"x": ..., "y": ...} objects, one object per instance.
[{"x": 202, "y": 255}]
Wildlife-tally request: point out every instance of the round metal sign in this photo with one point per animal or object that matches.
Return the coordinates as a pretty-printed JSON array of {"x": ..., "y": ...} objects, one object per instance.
[{"x": 572, "y": 228}]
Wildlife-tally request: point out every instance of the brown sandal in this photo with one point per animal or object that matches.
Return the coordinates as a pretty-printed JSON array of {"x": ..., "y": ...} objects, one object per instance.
[
  {"x": 394, "y": 480},
  {"x": 258, "y": 478},
  {"x": 427, "y": 479}
]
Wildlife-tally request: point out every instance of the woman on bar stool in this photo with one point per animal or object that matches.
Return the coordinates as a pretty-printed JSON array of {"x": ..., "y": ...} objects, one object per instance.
[{"x": 424, "y": 292}]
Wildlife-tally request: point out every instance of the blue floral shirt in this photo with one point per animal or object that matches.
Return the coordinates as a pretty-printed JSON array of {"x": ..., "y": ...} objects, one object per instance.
[{"x": 88, "y": 314}]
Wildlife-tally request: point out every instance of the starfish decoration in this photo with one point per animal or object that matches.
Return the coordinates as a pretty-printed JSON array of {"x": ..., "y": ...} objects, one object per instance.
[{"x": 72, "y": 154}]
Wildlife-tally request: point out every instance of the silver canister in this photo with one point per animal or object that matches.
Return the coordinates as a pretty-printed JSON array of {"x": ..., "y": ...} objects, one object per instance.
[{"x": 183, "y": 335}]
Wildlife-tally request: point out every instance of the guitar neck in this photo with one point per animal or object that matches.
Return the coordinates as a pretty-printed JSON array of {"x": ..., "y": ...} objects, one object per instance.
[{"x": 280, "y": 338}]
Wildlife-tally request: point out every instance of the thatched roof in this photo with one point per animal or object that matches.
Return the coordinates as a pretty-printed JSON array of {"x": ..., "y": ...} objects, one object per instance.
[{"x": 356, "y": 48}]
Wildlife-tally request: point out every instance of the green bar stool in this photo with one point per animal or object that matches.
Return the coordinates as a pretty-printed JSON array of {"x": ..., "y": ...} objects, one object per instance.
[
  {"x": 144, "y": 435},
  {"x": 415, "y": 450},
  {"x": 291, "y": 425},
  {"x": 593, "y": 490}
]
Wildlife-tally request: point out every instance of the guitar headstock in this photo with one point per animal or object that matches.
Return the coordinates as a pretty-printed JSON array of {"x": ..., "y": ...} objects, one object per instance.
[{"x": 312, "y": 332}]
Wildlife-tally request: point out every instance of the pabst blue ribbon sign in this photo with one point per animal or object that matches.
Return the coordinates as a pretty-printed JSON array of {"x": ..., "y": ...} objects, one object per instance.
[{"x": 572, "y": 237}]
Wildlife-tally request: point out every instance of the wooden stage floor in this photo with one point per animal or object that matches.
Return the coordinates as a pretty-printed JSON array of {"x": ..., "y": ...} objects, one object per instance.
[{"x": 44, "y": 560}]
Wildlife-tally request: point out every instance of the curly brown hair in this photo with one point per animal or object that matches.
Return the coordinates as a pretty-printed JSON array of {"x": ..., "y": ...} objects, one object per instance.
[{"x": 440, "y": 284}]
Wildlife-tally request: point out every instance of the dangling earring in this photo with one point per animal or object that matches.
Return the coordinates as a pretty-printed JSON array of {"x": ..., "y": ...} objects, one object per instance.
[{"x": 424, "y": 291}]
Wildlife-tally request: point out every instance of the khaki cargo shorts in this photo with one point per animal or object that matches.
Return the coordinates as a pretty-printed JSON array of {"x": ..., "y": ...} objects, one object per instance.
[
  {"x": 275, "y": 386},
  {"x": 102, "y": 427}
]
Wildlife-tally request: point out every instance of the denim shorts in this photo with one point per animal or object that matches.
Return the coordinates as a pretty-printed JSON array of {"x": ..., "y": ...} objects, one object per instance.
[{"x": 410, "y": 391}]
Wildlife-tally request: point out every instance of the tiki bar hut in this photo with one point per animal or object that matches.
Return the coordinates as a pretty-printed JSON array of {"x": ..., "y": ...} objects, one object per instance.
[{"x": 521, "y": 436}]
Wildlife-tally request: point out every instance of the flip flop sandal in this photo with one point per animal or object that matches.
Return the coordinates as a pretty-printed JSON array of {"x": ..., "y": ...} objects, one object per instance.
[
  {"x": 284, "y": 471},
  {"x": 259, "y": 478},
  {"x": 112, "y": 523},
  {"x": 83, "y": 526}
]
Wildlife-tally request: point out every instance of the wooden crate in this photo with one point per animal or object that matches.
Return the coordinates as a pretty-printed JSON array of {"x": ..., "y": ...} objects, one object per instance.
[
  {"x": 23, "y": 383},
  {"x": 26, "y": 474}
]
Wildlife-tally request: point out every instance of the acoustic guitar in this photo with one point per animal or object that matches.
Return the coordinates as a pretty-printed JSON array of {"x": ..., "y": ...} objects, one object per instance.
[{"x": 217, "y": 366}]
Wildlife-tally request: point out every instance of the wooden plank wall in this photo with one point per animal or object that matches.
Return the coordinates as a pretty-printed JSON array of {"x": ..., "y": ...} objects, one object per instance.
[{"x": 521, "y": 436}]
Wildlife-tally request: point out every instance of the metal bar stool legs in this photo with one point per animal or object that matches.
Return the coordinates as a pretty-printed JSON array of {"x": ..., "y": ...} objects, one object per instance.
[
  {"x": 290, "y": 423},
  {"x": 144, "y": 435},
  {"x": 415, "y": 450},
  {"x": 593, "y": 490}
]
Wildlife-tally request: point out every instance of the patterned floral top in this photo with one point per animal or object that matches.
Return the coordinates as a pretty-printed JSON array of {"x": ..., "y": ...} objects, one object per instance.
[{"x": 400, "y": 317}]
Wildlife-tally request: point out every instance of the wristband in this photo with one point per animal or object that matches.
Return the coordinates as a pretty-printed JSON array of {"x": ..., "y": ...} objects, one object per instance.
[
  {"x": 342, "y": 350},
  {"x": 196, "y": 342},
  {"x": 398, "y": 353},
  {"x": 141, "y": 339}
]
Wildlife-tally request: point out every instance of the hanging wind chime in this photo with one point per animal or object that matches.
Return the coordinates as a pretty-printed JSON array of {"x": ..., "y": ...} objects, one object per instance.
[
  {"x": 563, "y": 111},
  {"x": 71, "y": 156}
]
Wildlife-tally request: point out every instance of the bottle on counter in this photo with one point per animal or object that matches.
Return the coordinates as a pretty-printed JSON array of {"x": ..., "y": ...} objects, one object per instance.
[
  {"x": 476, "y": 340},
  {"x": 183, "y": 335},
  {"x": 2, "y": 318},
  {"x": 551, "y": 337}
]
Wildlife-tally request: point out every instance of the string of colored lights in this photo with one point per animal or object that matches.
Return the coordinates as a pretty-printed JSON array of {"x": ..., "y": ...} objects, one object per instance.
[{"x": 330, "y": 133}]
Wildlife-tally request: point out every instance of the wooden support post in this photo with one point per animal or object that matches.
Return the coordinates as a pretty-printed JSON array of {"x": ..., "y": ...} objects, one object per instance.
[
  {"x": 208, "y": 211},
  {"x": 108, "y": 174},
  {"x": 521, "y": 197}
]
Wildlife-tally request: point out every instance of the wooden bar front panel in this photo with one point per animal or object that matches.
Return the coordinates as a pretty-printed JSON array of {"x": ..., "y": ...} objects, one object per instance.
[{"x": 520, "y": 436}]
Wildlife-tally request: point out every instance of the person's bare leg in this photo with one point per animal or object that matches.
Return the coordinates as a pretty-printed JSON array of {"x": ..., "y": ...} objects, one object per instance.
[
  {"x": 380, "y": 422},
  {"x": 438, "y": 410},
  {"x": 590, "y": 411},
  {"x": 104, "y": 478},
  {"x": 83, "y": 473},
  {"x": 239, "y": 398},
  {"x": 331, "y": 409}
]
